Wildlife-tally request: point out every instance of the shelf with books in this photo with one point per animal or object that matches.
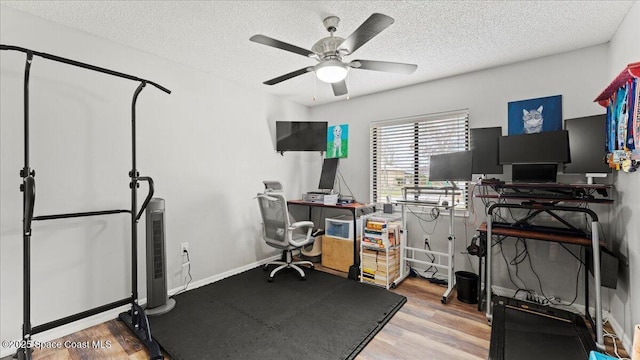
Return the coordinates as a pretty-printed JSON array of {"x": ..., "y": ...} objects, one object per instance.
[
  {"x": 380, "y": 250},
  {"x": 380, "y": 266}
]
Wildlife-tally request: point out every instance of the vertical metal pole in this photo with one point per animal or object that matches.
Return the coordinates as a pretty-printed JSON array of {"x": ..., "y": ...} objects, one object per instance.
[
  {"x": 452, "y": 241},
  {"x": 450, "y": 250},
  {"x": 27, "y": 71},
  {"x": 487, "y": 274},
  {"x": 25, "y": 352},
  {"x": 403, "y": 242},
  {"x": 356, "y": 245},
  {"x": 134, "y": 201}
]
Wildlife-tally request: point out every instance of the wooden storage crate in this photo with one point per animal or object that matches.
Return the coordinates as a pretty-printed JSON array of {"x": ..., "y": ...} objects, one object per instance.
[{"x": 337, "y": 253}]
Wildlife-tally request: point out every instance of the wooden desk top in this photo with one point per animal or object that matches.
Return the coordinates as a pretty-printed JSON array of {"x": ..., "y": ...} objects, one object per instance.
[
  {"x": 536, "y": 235},
  {"x": 351, "y": 206}
]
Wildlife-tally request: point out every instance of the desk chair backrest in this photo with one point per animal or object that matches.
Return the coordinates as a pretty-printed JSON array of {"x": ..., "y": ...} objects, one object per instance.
[{"x": 275, "y": 217}]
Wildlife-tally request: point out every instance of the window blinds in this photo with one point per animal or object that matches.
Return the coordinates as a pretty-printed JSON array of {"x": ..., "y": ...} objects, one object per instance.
[{"x": 400, "y": 151}]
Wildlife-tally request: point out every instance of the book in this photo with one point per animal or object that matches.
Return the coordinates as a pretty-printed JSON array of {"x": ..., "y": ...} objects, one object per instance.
[{"x": 375, "y": 225}]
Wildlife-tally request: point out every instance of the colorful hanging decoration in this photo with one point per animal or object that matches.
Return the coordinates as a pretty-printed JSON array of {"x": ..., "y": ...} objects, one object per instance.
[{"x": 622, "y": 101}]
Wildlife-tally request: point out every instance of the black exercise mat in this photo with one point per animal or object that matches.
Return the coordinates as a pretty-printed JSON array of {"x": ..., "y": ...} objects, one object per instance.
[{"x": 245, "y": 317}]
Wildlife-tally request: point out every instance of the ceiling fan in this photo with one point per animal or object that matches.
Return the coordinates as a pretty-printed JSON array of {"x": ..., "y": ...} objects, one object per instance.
[{"x": 330, "y": 51}]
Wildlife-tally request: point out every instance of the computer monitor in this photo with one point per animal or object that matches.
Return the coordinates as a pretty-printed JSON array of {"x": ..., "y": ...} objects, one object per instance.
[
  {"x": 328, "y": 175},
  {"x": 587, "y": 143},
  {"x": 544, "y": 147},
  {"x": 484, "y": 144},
  {"x": 534, "y": 173},
  {"x": 454, "y": 166}
]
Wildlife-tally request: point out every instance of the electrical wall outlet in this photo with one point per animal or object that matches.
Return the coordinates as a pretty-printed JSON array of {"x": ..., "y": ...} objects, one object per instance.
[{"x": 184, "y": 247}]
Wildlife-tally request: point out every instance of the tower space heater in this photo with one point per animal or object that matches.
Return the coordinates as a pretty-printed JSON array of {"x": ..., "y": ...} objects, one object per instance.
[{"x": 158, "y": 301}]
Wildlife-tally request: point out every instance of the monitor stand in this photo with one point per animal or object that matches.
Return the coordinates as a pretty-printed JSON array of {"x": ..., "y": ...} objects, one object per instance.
[{"x": 590, "y": 177}]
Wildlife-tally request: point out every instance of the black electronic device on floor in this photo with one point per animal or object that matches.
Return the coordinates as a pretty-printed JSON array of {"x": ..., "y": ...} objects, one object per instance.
[{"x": 522, "y": 330}]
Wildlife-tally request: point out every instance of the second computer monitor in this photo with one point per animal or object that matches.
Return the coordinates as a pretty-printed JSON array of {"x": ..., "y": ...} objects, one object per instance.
[
  {"x": 545, "y": 147},
  {"x": 454, "y": 166},
  {"x": 328, "y": 175},
  {"x": 484, "y": 143}
]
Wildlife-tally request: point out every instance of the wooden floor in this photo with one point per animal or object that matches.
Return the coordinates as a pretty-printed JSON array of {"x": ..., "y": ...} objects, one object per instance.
[{"x": 423, "y": 328}]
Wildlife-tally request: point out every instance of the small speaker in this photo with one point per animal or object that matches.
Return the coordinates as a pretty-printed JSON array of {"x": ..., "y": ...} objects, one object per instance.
[{"x": 387, "y": 208}]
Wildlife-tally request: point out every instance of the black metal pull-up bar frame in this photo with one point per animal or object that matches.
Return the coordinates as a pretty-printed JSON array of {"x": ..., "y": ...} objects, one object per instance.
[{"x": 135, "y": 318}]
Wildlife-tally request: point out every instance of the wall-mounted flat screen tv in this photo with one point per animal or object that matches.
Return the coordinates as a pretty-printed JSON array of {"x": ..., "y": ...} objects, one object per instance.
[{"x": 301, "y": 136}]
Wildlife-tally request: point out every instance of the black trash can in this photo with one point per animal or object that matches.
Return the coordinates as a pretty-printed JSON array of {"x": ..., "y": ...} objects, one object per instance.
[{"x": 467, "y": 287}]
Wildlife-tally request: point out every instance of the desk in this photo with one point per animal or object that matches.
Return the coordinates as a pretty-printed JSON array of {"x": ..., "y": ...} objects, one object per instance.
[
  {"x": 353, "y": 208},
  {"x": 408, "y": 254},
  {"x": 584, "y": 193}
]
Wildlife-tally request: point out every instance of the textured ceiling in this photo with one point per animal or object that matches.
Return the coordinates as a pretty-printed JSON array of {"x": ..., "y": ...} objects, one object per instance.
[{"x": 444, "y": 38}]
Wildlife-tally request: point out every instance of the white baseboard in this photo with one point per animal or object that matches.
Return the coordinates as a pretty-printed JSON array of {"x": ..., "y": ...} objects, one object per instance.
[
  {"x": 88, "y": 322},
  {"x": 226, "y": 274}
]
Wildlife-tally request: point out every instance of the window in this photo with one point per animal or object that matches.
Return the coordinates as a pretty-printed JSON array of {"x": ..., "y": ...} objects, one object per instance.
[{"x": 400, "y": 151}]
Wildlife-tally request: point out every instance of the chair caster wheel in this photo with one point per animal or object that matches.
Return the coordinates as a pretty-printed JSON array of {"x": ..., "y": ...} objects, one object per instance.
[
  {"x": 265, "y": 267},
  {"x": 270, "y": 279},
  {"x": 312, "y": 267},
  {"x": 303, "y": 278}
]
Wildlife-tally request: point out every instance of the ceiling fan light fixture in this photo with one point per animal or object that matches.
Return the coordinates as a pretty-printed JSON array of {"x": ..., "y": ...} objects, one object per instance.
[{"x": 331, "y": 71}]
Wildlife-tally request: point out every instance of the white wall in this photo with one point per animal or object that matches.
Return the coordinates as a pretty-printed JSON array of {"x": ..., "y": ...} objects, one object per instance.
[
  {"x": 578, "y": 76},
  {"x": 625, "y": 302},
  {"x": 208, "y": 146}
]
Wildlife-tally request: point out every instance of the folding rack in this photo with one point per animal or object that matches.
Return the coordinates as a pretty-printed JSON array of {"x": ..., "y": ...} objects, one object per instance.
[{"x": 135, "y": 318}]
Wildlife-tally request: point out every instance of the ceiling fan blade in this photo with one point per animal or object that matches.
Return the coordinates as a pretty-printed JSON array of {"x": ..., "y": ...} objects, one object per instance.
[
  {"x": 288, "y": 76},
  {"x": 339, "y": 88},
  {"x": 394, "y": 67},
  {"x": 369, "y": 28},
  {"x": 265, "y": 40}
]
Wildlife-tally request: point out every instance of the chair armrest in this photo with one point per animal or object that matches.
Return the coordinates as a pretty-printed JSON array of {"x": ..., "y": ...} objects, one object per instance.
[
  {"x": 301, "y": 224},
  {"x": 270, "y": 198}
]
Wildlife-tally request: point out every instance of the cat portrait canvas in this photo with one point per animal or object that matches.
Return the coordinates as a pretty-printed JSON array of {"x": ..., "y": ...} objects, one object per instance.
[{"x": 535, "y": 115}]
